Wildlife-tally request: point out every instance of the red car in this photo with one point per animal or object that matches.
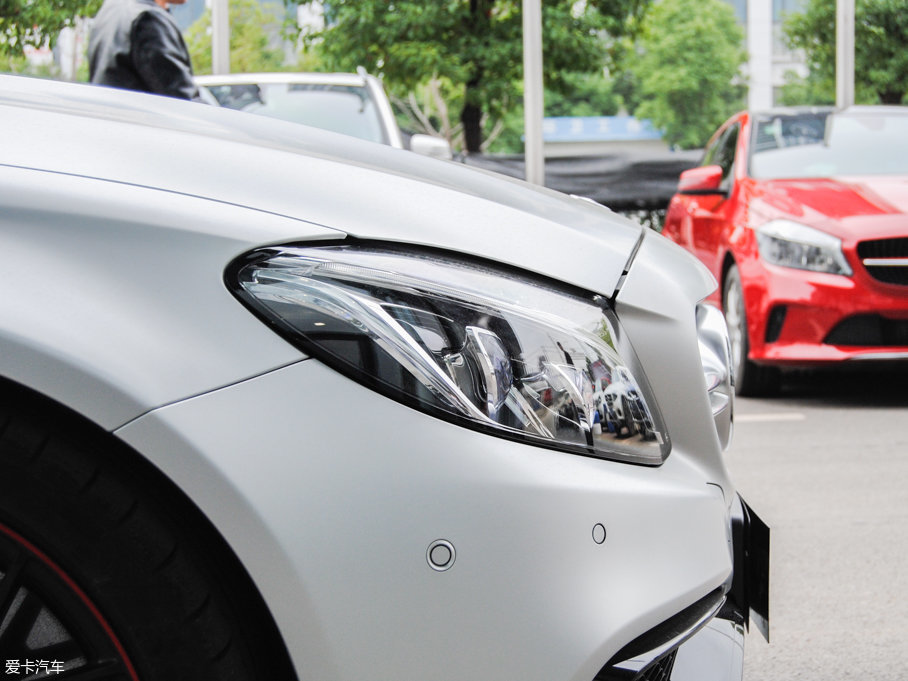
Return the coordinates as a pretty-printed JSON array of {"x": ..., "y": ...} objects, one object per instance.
[{"x": 802, "y": 216}]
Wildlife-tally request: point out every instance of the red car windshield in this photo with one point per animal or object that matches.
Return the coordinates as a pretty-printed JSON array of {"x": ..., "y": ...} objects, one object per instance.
[{"x": 823, "y": 144}]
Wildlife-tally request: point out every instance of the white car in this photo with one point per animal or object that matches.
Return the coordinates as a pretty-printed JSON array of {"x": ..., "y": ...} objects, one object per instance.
[
  {"x": 253, "y": 427},
  {"x": 349, "y": 103}
]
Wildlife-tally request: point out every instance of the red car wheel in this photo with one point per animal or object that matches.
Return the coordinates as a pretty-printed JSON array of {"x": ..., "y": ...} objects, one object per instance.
[{"x": 750, "y": 379}]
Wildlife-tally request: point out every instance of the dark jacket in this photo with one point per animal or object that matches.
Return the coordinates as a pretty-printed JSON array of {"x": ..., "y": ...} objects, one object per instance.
[{"x": 135, "y": 44}]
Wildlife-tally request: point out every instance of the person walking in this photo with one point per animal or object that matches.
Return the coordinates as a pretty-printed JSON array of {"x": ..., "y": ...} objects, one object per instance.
[{"x": 137, "y": 45}]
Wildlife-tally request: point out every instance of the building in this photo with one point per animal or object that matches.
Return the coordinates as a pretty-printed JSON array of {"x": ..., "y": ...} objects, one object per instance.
[
  {"x": 599, "y": 135},
  {"x": 769, "y": 57}
]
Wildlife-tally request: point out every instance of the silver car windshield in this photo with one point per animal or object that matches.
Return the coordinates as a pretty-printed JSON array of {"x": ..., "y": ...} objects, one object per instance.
[
  {"x": 825, "y": 145},
  {"x": 346, "y": 109}
]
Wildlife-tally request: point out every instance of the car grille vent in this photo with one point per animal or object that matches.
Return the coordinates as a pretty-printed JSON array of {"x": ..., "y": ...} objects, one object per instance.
[
  {"x": 651, "y": 657},
  {"x": 880, "y": 250},
  {"x": 775, "y": 323},
  {"x": 869, "y": 330},
  {"x": 660, "y": 670}
]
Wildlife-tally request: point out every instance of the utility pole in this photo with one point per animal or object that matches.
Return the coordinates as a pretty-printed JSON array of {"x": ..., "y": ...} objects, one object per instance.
[
  {"x": 759, "y": 46},
  {"x": 532, "y": 92},
  {"x": 220, "y": 36},
  {"x": 844, "y": 53}
]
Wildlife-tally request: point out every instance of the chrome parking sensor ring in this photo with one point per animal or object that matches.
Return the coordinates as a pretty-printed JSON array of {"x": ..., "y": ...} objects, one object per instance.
[
  {"x": 440, "y": 555},
  {"x": 599, "y": 533}
]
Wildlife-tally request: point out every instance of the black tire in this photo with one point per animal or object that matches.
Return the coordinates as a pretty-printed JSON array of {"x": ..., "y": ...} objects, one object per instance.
[
  {"x": 628, "y": 417},
  {"x": 98, "y": 543},
  {"x": 751, "y": 379}
]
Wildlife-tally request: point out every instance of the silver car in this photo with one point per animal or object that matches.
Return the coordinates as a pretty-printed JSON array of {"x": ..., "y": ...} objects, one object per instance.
[
  {"x": 349, "y": 103},
  {"x": 279, "y": 404}
]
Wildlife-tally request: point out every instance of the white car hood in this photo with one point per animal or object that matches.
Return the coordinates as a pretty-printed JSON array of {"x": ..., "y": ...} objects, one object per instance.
[{"x": 360, "y": 189}]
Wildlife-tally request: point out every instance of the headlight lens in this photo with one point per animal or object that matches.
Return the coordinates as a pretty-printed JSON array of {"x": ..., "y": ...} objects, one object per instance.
[
  {"x": 791, "y": 244},
  {"x": 475, "y": 345},
  {"x": 715, "y": 354}
]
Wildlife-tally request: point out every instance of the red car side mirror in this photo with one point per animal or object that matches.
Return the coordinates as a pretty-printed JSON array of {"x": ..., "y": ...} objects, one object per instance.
[{"x": 701, "y": 181}]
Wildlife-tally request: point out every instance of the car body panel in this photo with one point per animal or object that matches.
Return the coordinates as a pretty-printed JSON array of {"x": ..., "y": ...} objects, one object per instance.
[
  {"x": 74, "y": 334},
  {"x": 506, "y": 594},
  {"x": 840, "y": 203},
  {"x": 647, "y": 305},
  {"x": 517, "y": 222}
]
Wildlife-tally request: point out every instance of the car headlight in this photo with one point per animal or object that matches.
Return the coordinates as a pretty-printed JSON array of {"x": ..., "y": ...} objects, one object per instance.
[
  {"x": 484, "y": 347},
  {"x": 791, "y": 244},
  {"x": 715, "y": 354}
]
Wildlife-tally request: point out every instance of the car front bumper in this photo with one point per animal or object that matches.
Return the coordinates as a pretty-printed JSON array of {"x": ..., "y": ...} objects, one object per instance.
[
  {"x": 801, "y": 318},
  {"x": 715, "y": 653},
  {"x": 332, "y": 497},
  {"x": 711, "y": 648}
]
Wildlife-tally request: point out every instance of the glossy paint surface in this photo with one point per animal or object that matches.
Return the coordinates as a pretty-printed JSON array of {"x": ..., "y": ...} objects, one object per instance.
[{"x": 720, "y": 230}]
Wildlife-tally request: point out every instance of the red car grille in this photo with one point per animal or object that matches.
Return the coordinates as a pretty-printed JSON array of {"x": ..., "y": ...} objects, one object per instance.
[
  {"x": 869, "y": 330},
  {"x": 886, "y": 260}
]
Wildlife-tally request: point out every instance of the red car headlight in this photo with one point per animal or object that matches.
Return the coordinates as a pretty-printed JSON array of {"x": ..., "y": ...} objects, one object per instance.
[{"x": 791, "y": 244}]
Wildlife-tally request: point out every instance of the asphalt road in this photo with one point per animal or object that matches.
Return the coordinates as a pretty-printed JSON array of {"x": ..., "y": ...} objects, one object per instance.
[{"x": 826, "y": 466}]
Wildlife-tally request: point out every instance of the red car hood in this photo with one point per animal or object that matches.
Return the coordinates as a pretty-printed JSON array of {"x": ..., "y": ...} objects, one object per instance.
[{"x": 851, "y": 208}]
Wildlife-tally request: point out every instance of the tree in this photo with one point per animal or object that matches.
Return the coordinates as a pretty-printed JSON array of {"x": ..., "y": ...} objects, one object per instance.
[
  {"x": 475, "y": 45},
  {"x": 688, "y": 69},
  {"x": 37, "y": 22},
  {"x": 428, "y": 110},
  {"x": 586, "y": 94},
  {"x": 880, "y": 58},
  {"x": 254, "y": 38},
  {"x": 813, "y": 90}
]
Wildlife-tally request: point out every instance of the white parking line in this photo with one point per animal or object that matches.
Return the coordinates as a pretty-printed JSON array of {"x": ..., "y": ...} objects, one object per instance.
[{"x": 770, "y": 418}]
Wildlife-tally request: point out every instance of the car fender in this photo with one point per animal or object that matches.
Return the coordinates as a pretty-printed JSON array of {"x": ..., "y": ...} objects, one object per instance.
[{"x": 121, "y": 337}]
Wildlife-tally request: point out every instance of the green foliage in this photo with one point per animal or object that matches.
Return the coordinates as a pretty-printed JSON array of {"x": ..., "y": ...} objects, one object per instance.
[
  {"x": 13, "y": 63},
  {"x": 584, "y": 94},
  {"x": 475, "y": 45},
  {"x": 427, "y": 109},
  {"x": 812, "y": 90},
  {"x": 687, "y": 69},
  {"x": 881, "y": 61},
  {"x": 37, "y": 22},
  {"x": 505, "y": 134},
  {"x": 17, "y": 63},
  {"x": 254, "y": 39}
]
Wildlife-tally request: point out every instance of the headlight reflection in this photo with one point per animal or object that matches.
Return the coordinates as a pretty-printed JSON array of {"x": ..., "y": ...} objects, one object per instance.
[{"x": 480, "y": 346}]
